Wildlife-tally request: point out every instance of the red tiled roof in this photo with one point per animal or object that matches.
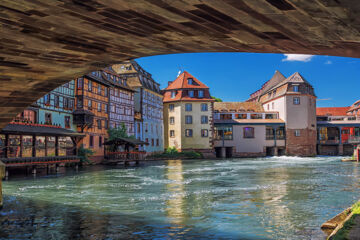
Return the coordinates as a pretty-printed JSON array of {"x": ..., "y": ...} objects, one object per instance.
[
  {"x": 331, "y": 111},
  {"x": 181, "y": 82}
]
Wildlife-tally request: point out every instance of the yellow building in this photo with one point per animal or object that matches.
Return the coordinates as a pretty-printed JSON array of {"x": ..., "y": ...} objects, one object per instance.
[{"x": 188, "y": 123}]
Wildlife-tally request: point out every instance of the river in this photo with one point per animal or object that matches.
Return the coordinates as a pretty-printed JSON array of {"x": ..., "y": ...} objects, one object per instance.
[{"x": 262, "y": 198}]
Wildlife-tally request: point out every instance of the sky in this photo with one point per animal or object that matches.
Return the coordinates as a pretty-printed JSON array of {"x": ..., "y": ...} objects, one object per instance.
[{"x": 234, "y": 76}]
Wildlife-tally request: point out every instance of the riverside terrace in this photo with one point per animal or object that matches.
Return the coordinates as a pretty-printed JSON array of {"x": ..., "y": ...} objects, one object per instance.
[{"x": 31, "y": 145}]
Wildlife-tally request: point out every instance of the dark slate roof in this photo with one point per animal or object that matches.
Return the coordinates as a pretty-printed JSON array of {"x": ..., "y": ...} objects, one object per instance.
[
  {"x": 83, "y": 111},
  {"x": 123, "y": 141},
  {"x": 39, "y": 130}
]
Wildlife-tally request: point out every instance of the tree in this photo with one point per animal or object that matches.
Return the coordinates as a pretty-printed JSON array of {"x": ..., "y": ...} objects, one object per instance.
[
  {"x": 216, "y": 99},
  {"x": 118, "y": 132}
]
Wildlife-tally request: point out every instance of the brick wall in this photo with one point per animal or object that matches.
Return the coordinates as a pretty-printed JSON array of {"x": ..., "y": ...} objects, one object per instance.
[{"x": 304, "y": 145}]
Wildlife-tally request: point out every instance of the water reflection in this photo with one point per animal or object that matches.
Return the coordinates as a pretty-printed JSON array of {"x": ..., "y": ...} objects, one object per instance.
[
  {"x": 175, "y": 204},
  {"x": 270, "y": 198}
]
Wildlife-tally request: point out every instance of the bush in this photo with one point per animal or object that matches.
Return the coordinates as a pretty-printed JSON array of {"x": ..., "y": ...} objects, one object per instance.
[
  {"x": 84, "y": 154},
  {"x": 172, "y": 152}
]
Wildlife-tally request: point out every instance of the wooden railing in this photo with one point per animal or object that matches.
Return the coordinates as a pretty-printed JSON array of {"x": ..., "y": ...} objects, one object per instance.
[{"x": 125, "y": 155}]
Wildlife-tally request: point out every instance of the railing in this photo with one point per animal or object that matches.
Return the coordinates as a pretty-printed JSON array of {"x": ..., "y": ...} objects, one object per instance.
[
  {"x": 125, "y": 155},
  {"x": 28, "y": 161},
  {"x": 354, "y": 139},
  {"x": 334, "y": 141},
  {"x": 40, "y": 151},
  {"x": 349, "y": 118}
]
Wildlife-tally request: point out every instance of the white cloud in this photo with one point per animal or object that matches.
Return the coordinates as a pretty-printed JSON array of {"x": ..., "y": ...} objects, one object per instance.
[
  {"x": 328, "y": 62},
  {"x": 297, "y": 57}
]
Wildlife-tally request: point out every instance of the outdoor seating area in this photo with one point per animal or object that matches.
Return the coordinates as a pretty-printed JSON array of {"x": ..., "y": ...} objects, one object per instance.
[{"x": 123, "y": 150}]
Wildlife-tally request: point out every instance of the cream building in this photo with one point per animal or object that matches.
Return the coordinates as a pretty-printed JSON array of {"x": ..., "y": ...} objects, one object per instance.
[{"x": 188, "y": 109}]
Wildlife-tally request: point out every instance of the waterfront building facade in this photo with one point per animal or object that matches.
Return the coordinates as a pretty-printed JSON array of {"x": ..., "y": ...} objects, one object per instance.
[
  {"x": 338, "y": 133},
  {"x": 295, "y": 101},
  {"x": 55, "y": 108},
  {"x": 188, "y": 109},
  {"x": 354, "y": 109},
  {"x": 121, "y": 101},
  {"x": 149, "y": 125},
  {"x": 92, "y": 104},
  {"x": 244, "y": 129}
]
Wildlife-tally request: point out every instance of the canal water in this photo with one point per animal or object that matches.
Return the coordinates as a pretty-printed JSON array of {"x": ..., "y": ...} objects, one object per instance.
[{"x": 263, "y": 198}]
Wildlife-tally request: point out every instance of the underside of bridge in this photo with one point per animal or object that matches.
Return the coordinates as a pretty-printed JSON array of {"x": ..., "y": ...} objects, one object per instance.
[{"x": 46, "y": 43}]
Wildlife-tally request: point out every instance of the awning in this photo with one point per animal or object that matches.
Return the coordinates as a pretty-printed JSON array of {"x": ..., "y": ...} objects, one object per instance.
[
  {"x": 124, "y": 141},
  {"x": 38, "y": 130}
]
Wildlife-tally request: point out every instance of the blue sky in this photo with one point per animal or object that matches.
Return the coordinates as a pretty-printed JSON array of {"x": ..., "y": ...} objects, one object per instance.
[{"x": 233, "y": 76}]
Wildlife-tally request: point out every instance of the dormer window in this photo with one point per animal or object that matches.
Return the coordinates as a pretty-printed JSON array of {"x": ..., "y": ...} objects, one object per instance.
[
  {"x": 296, "y": 88},
  {"x": 190, "y": 81},
  {"x": 173, "y": 93},
  {"x": 191, "y": 93},
  {"x": 201, "y": 93}
]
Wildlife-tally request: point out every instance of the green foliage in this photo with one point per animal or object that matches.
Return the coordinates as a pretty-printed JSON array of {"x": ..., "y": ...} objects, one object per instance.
[
  {"x": 349, "y": 224},
  {"x": 216, "y": 99},
  {"x": 119, "y": 132},
  {"x": 172, "y": 152},
  {"x": 84, "y": 154}
]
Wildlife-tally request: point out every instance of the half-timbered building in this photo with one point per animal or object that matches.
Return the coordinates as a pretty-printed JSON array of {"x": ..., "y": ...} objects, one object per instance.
[
  {"x": 149, "y": 126},
  {"x": 91, "y": 114}
]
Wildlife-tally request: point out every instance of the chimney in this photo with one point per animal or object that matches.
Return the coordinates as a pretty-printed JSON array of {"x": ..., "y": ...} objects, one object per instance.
[{"x": 169, "y": 82}]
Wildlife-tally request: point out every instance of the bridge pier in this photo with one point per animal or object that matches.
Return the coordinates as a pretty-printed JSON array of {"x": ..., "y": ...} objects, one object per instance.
[{"x": 2, "y": 175}]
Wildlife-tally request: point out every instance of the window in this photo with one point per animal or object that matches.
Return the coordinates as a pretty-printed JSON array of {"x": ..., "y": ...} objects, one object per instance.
[
  {"x": 269, "y": 133},
  {"x": 90, "y": 86},
  {"x": 65, "y": 103},
  {"x": 99, "y": 123},
  {"x": 106, "y": 125},
  {"x": 201, "y": 93},
  {"x": 191, "y": 93},
  {"x": 204, "y": 133},
  {"x": 271, "y": 116},
  {"x": 79, "y": 103},
  {"x": 268, "y": 107},
  {"x": 249, "y": 132},
  {"x": 296, "y": 101},
  {"x": 188, "y": 133},
  {"x": 190, "y": 81},
  {"x": 280, "y": 133},
  {"x": 105, "y": 92},
  {"x": 172, "y": 120},
  {"x": 188, "y": 119},
  {"x": 157, "y": 142},
  {"x": 256, "y": 116},
  {"x": 188, "y": 107},
  {"x": 80, "y": 83},
  {"x": 223, "y": 132},
  {"x": 152, "y": 142},
  {"x": 147, "y": 140},
  {"x": 106, "y": 108},
  {"x": 56, "y": 101},
  {"x": 29, "y": 115},
  {"x": 100, "y": 141},
  {"x": 173, "y": 94},
  {"x": 47, "y": 99},
  {"x": 91, "y": 141},
  {"x": 89, "y": 104},
  {"x": 171, "y": 107},
  {"x": 172, "y": 133},
  {"x": 241, "y": 116},
  {"x": 204, "y": 107},
  {"x": 99, "y": 89},
  {"x": 67, "y": 121},
  {"x": 99, "y": 107},
  {"x": 48, "y": 119},
  {"x": 295, "y": 88},
  {"x": 297, "y": 133},
  {"x": 71, "y": 103},
  {"x": 273, "y": 105},
  {"x": 204, "y": 119}
]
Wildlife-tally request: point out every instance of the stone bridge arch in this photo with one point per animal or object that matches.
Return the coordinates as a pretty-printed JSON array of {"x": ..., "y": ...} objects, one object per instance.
[{"x": 47, "y": 43}]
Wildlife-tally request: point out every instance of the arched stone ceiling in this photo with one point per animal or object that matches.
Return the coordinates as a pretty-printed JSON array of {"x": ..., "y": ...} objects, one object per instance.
[{"x": 45, "y": 43}]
